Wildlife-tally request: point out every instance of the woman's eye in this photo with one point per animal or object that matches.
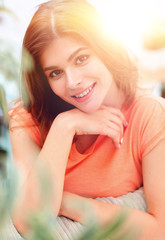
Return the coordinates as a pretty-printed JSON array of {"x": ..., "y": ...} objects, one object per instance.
[
  {"x": 81, "y": 59},
  {"x": 55, "y": 73}
]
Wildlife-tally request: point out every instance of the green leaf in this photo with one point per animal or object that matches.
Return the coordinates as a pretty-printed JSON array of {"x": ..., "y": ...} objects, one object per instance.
[
  {"x": 3, "y": 104},
  {"x": 8, "y": 188},
  {"x": 27, "y": 61},
  {"x": 9, "y": 66},
  {"x": 114, "y": 230},
  {"x": 42, "y": 226}
]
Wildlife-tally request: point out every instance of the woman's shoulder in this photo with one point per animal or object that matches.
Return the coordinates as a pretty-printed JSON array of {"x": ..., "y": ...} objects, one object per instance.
[
  {"x": 152, "y": 100},
  {"x": 146, "y": 108},
  {"x": 148, "y": 121},
  {"x": 20, "y": 118},
  {"x": 148, "y": 102}
]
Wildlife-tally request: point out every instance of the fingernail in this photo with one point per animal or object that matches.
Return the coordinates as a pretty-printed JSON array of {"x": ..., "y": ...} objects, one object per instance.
[
  {"x": 121, "y": 141},
  {"x": 126, "y": 124}
]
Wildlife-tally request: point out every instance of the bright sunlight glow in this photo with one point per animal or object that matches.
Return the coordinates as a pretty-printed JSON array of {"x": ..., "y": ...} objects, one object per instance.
[{"x": 128, "y": 20}]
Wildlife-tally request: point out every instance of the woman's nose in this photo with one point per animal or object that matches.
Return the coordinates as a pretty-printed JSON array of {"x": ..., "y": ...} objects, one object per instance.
[{"x": 73, "y": 79}]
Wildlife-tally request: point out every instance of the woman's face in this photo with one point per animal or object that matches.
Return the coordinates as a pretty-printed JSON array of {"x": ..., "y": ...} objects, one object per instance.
[{"x": 76, "y": 74}]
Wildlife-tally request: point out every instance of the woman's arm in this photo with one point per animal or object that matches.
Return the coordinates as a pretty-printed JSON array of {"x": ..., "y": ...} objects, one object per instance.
[
  {"x": 30, "y": 159},
  {"x": 54, "y": 153},
  {"x": 151, "y": 223}
]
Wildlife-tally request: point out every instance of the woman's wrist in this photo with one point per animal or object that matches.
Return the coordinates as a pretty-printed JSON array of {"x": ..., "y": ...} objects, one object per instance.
[{"x": 74, "y": 207}]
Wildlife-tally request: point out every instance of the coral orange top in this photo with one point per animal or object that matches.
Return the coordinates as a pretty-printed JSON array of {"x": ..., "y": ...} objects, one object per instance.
[{"x": 104, "y": 170}]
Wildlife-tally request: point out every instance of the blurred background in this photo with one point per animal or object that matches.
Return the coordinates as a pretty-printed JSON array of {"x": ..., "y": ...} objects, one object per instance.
[{"x": 140, "y": 24}]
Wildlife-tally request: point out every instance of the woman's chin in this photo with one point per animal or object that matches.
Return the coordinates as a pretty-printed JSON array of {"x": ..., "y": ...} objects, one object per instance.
[{"x": 89, "y": 109}]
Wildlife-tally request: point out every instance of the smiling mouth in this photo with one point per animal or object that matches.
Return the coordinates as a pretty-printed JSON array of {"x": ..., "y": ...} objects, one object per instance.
[{"x": 83, "y": 94}]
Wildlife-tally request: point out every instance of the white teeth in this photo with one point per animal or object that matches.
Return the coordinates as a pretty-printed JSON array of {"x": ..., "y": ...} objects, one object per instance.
[{"x": 84, "y": 93}]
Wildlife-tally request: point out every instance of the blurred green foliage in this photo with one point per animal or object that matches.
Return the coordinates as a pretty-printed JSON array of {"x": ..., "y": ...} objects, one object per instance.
[
  {"x": 10, "y": 63},
  {"x": 3, "y": 105},
  {"x": 43, "y": 227},
  {"x": 9, "y": 67},
  {"x": 8, "y": 186}
]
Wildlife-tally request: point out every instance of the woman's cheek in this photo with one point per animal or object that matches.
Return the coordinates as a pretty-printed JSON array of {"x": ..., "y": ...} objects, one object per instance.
[{"x": 57, "y": 88}]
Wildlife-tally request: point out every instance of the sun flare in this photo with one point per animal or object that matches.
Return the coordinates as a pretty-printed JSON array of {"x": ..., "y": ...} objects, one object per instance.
[{"x": 129, "y": 20}]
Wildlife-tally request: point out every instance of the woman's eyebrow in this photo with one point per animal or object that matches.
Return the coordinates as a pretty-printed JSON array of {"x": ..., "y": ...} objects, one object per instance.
[
  {"x": 50, "y": 68},
  {"x": 75, "y": 53},
  {"x": 69, "y": 58}
]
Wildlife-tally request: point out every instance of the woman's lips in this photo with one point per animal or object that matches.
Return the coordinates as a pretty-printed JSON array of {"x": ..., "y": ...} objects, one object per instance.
[{"x": 84, "y": 95}]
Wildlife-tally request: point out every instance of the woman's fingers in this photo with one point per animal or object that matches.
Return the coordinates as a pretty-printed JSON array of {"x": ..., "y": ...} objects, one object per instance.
[
  {"x": 115, "y": 132},
  {"x": 105, "y": 121},
  {"x": 116, "y": 112},
  {"x": 118, "y": 122},
  {"x": 115, "y": 123}
]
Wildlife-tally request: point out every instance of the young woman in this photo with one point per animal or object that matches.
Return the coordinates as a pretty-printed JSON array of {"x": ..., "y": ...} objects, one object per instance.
[{"x": 87, "y": 121}]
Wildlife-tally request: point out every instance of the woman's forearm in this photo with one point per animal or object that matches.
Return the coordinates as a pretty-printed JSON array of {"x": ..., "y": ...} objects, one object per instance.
[
  {"x": 51, "y": 162},
  {"x": 138, "y": 222},
  {"x": 55, "y": 154}
]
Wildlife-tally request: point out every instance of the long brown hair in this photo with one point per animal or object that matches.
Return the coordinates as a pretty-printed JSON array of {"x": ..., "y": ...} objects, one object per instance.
[{"x": 81, "y": 20}]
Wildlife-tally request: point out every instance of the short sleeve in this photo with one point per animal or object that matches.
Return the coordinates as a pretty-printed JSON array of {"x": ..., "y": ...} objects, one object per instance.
[
  {"x": 152, "y": 124},
  {"x": 24, "y": 120}
]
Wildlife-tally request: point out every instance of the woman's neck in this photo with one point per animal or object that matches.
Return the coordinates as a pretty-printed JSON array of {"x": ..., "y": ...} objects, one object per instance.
[{"x": 115, "y": 97}]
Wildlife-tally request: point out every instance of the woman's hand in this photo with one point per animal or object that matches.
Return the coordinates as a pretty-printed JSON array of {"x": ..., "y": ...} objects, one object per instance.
[{"x": 105, "y": 121}]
